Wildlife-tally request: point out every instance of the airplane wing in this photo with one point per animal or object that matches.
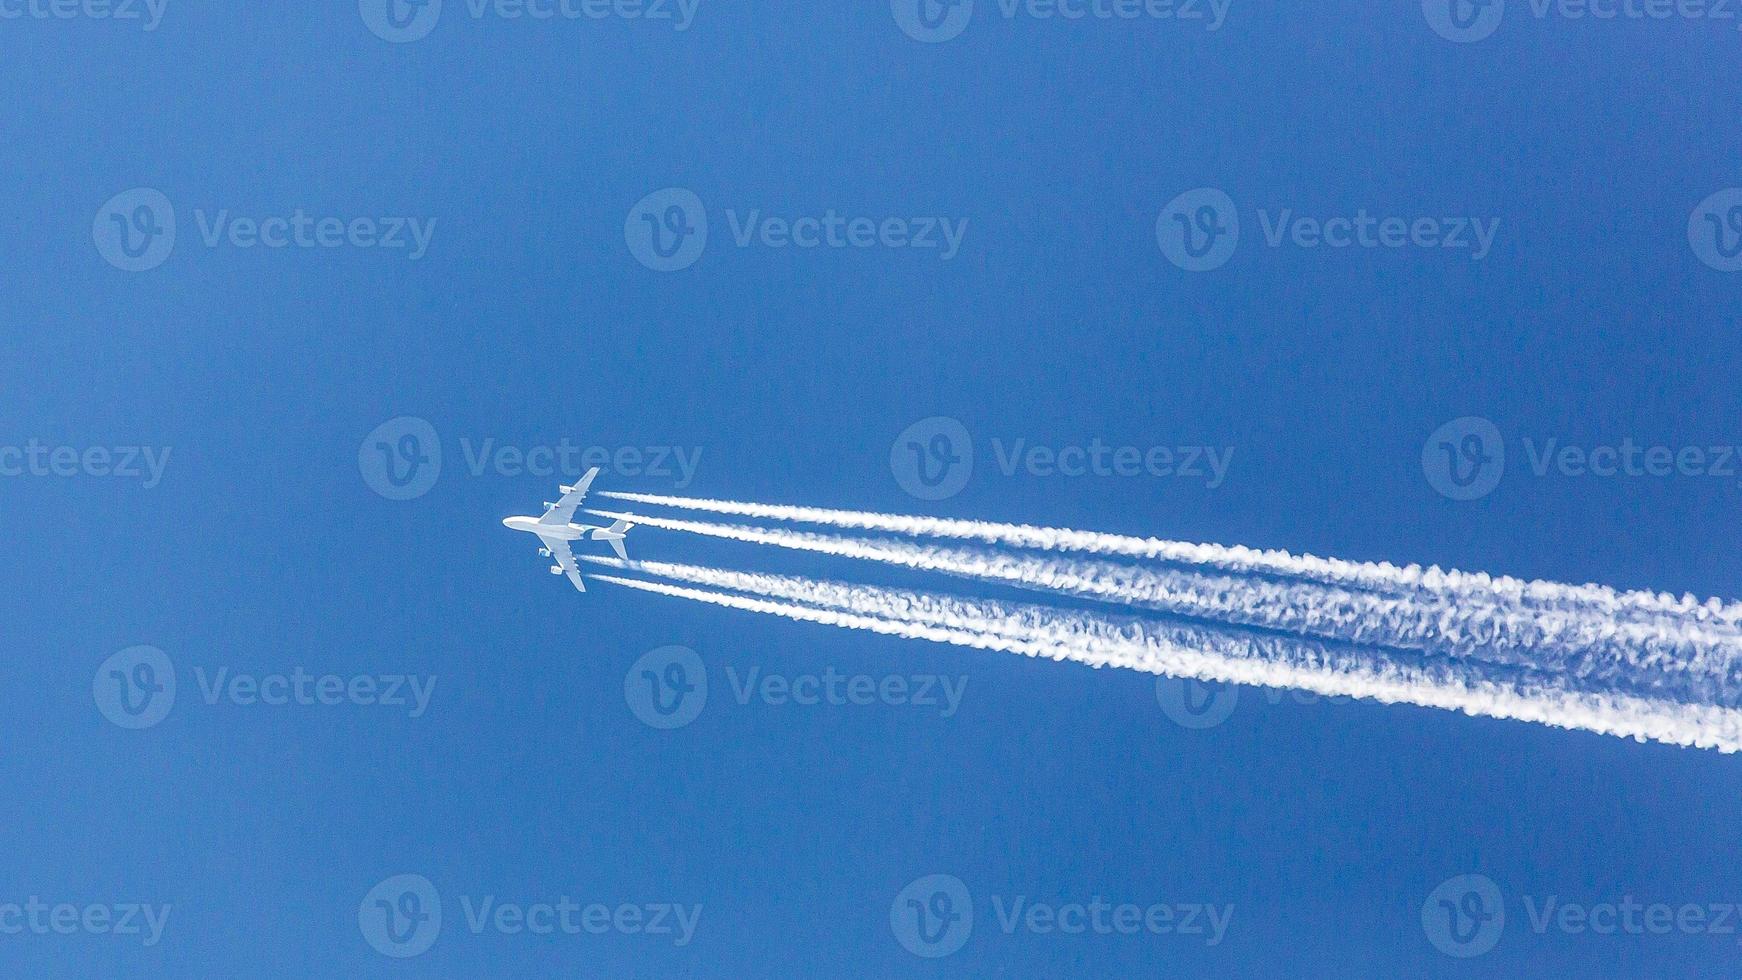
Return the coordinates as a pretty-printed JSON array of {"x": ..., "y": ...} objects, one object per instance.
[
  {"x": 564, "y": 510},
  {"x": 559, "y": 550}
]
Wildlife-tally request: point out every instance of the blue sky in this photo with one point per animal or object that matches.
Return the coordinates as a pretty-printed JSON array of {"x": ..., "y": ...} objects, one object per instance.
[{"x": 526, "y": 153}]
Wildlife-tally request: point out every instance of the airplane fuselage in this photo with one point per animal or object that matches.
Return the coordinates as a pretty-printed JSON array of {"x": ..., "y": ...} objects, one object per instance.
[{"x": 564, "y": 532}]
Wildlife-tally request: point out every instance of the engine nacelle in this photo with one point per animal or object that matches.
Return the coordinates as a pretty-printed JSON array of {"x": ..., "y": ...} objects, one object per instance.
[
  {"x": 566, "y": 489},
  {"x": 549, "y": 504},
  {"x": 556, "y": 569},
  {"x": 544, "y": 551}
]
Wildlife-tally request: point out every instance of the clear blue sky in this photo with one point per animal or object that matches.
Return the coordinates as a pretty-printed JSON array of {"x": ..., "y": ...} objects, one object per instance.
[{"x": 261, "y": 549}]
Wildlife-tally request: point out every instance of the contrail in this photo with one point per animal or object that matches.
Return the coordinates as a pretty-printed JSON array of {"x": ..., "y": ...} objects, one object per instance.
[
  {"x": 1204, "y": 654},
  {"x": 1382, "y": 576},
  {"x": 1653, "y": 659},
  {"x": 959, "y": 612}
]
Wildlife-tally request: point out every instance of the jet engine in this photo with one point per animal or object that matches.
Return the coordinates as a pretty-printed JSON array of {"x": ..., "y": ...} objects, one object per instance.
[
  {"x": 556, "y": 569},
  {"x": 544, "y": 551}
]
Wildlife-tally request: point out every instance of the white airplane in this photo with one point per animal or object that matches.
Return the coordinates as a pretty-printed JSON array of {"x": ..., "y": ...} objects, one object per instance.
[{"x": 556, "y": 531}]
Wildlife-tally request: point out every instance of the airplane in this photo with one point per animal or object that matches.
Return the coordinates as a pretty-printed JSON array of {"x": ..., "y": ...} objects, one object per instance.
[{"x": 556, "y": 530}]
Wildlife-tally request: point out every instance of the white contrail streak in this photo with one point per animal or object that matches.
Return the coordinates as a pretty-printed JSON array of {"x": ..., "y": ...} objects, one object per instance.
[
  {"x": 1236, "y": 558},
  {"x": 1205, "y": 654},
  {"x": 1649, "y": 658}
]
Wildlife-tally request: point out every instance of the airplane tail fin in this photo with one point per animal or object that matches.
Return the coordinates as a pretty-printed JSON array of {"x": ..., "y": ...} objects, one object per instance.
[{"x": 614, "y": 536}]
